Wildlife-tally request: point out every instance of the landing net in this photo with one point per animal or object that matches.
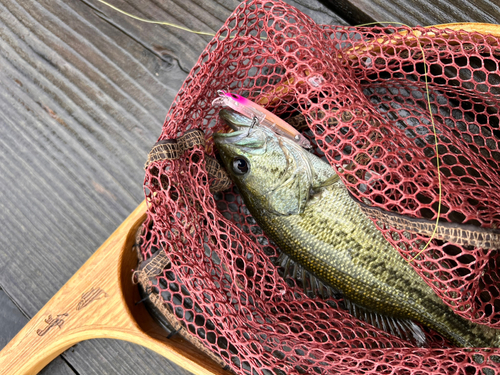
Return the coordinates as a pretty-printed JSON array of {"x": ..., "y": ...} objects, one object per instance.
[{"x": 362, "y": 95}]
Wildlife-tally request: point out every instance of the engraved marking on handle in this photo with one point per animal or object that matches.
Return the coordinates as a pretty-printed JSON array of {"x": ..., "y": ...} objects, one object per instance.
[
  {"x": 51, "y": 322},
  {"x": 93, "y": 294}
]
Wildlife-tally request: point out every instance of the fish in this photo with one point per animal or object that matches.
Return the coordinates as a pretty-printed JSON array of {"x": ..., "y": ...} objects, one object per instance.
[{"x": 302, "y": 205}]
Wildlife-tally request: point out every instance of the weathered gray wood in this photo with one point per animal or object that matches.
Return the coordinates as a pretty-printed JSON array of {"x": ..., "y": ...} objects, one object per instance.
[
  {"x": 83, "y": 94},
  {"x": 12, "y": 320},
  {"x": 416, "y": 12}
]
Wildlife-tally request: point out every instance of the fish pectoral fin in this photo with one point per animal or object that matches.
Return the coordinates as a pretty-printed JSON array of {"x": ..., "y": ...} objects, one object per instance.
[
  {"x": 403, "y": 328},
  {"x": 288, "y": 197},
  {"x": 327, "y": 182}
]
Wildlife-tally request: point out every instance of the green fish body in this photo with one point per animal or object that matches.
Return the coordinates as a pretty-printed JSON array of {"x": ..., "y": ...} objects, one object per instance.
[{"x": 301, "y": 204}]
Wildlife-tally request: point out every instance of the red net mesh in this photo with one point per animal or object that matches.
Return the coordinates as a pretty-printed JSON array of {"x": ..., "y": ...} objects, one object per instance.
[{"x": 362, "y": 92}]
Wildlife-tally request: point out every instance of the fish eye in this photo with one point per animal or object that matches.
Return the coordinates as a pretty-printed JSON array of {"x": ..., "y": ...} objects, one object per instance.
[{"x": 240, "y": 165}]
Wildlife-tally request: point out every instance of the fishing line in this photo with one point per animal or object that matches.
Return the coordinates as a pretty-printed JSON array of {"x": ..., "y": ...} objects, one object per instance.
[
  {"x": 433, "y": 129},
  {"x": 365, "y": 24},
  {"x": 156, "y": 22},
  {"x": 162, "y": 22},
  {"x": 427, "y": 92}
]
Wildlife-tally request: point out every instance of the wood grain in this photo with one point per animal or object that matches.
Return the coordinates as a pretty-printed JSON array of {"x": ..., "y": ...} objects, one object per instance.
[
  {"x": 12, "y": 321},
  {"x": 99, "y": 302},
  {"x": 83, "y": 94},
  {"x": 414, "y": 13}
]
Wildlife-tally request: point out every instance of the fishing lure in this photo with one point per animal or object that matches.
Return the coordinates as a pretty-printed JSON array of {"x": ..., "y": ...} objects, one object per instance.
[{"x": 264, "y": 118}]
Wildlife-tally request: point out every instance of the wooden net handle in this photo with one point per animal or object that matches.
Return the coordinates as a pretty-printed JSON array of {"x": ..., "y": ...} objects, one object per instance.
[{"x": 98, "y": 302}]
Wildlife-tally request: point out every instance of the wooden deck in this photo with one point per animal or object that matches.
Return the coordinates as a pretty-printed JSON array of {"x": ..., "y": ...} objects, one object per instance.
[{"x": 83, "y": 93}]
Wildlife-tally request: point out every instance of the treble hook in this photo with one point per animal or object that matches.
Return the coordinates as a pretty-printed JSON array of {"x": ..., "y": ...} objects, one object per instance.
[{"x": 255, "y": 121}]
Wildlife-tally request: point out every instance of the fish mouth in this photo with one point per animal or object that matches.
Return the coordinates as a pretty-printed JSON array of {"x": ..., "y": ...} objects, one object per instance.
[
  {"x": 233, "y": 127},
  {"x": 229, "y": 137},
  {"x": 235, "y": 120},
  {"x": 238, "y": 124}
]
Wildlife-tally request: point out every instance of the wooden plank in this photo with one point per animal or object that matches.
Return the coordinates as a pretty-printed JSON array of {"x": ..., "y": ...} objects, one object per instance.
[
  {"x": 83, "y": 93},
  {"x": 415, "y": 13},
  {"x": 99, "y": 301},
  {"x": 12, "y": 321}
]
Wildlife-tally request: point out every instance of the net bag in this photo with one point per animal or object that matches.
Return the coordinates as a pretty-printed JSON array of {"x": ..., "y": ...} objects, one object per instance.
[{"x": 360, "y": 96}]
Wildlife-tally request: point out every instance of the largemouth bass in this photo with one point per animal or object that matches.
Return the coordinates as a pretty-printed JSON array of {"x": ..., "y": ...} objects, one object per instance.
[{"x": 301, "y": 204}]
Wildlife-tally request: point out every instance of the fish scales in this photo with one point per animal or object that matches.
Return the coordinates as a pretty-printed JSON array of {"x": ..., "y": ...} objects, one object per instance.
[{"x": 302, "y": 205}]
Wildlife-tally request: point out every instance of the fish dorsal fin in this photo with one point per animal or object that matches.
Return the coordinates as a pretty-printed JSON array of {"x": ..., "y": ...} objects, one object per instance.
[
  {"x": 403, "y": 328},
  {"x": 313, "y": 287}
]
